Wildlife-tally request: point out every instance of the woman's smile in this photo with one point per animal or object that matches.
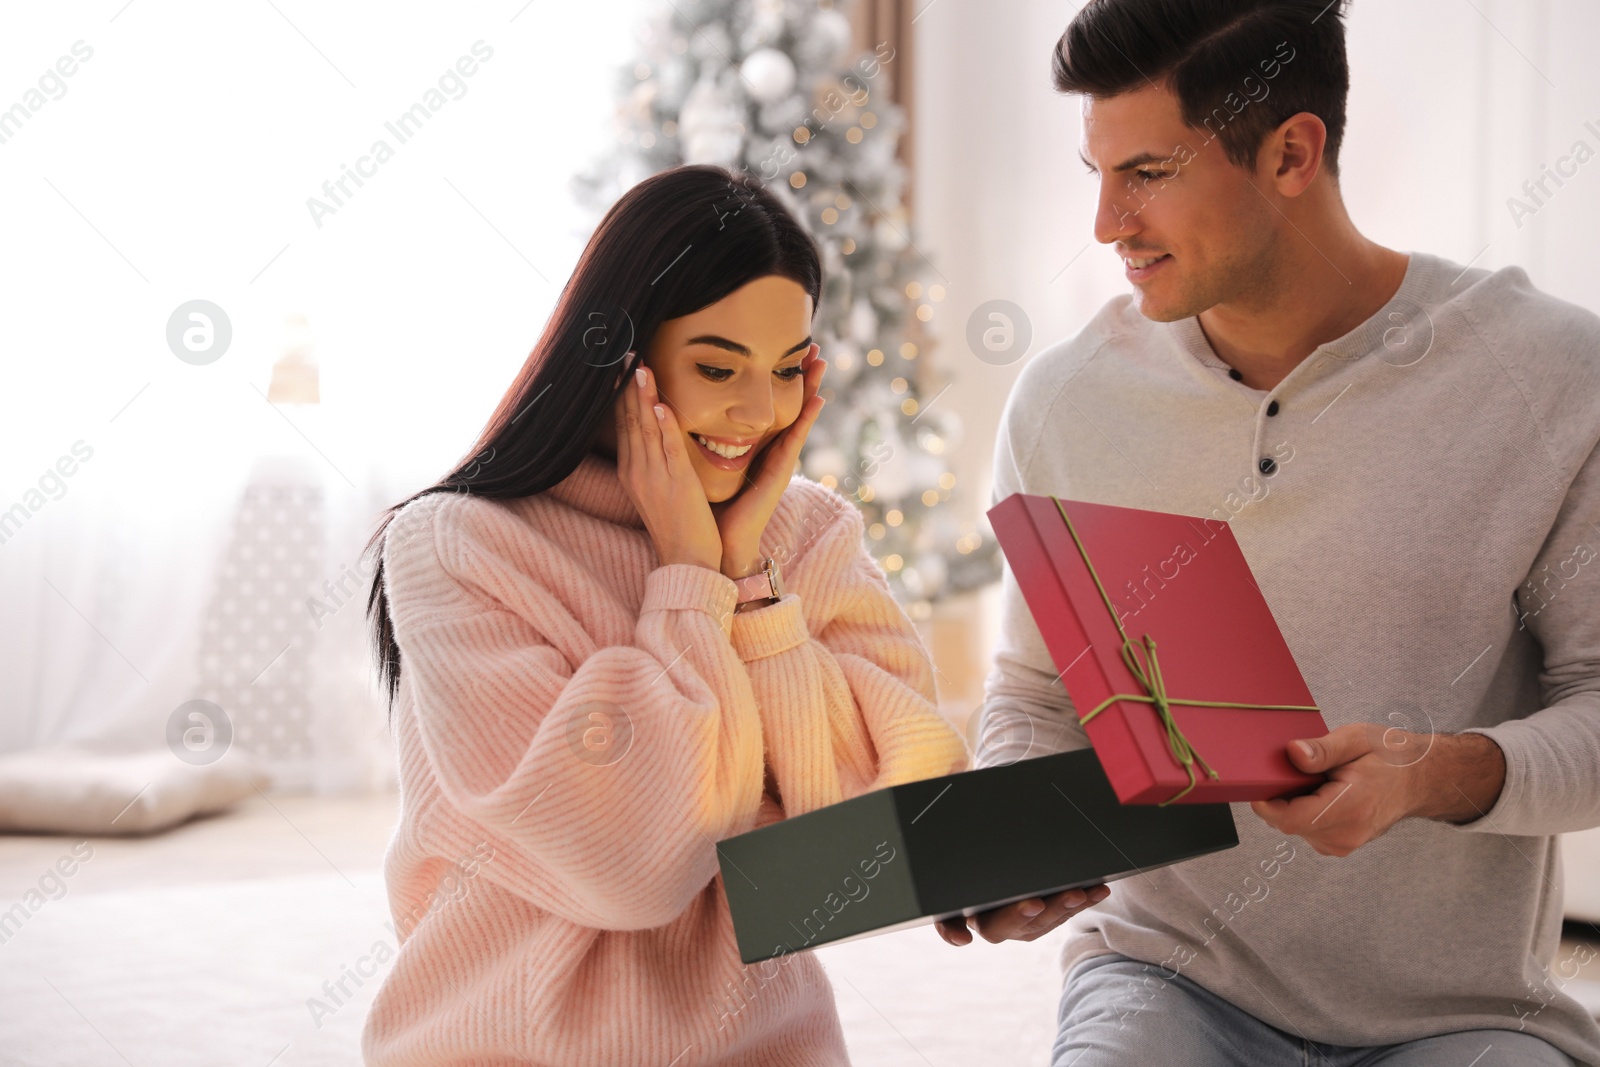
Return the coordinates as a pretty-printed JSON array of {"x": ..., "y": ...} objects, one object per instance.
[{"x": 722, "y": 454}]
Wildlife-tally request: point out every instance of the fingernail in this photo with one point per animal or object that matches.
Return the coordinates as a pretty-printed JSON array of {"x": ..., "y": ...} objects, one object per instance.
[
  {"x": 1076, "y": 898},
  {"x": 639, "y": 376},
  {"x": 1030, "y": 908},
  {"x": 1305, "y": 749},
  {"x": 661, "y": 413}
]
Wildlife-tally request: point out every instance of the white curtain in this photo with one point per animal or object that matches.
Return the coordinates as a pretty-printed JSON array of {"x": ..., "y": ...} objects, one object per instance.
[{"x": 179, "y": 161}]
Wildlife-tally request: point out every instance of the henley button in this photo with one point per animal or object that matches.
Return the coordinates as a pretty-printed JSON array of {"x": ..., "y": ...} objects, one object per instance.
[
  {"x": 1235, "y": 375},
  {"x": 1267, "y": 465},
  {"x": 1272, "y": 408}
]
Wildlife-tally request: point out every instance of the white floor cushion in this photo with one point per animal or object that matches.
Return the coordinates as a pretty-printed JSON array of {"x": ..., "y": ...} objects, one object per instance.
[{"x": 67, "y": 789}]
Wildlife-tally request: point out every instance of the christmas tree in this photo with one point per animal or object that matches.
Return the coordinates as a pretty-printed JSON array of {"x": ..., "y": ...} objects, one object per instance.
[{"x": 770, "y": 87}]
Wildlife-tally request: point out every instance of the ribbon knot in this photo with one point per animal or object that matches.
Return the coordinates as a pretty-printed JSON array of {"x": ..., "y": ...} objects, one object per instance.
[{"x": 1148, "y": 674}]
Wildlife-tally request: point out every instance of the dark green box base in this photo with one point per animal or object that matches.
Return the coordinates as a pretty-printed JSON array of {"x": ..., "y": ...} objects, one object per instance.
[{"x": 955, "y": 845}]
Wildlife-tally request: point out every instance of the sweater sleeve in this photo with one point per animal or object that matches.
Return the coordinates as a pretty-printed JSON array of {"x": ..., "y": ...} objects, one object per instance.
[
  {"x": 1026, "y": 711},
  {"x": 1552, "y": 782},
  {"x": 844, "y": 684},
  {"x": 608, "y": 775}
]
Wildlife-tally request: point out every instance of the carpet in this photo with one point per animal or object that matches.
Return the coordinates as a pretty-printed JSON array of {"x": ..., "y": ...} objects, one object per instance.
[{"x": 248, "y": 972}]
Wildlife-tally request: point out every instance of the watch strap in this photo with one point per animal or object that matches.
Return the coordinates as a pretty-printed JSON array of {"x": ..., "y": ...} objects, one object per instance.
[{"x": 760, "y": 587}]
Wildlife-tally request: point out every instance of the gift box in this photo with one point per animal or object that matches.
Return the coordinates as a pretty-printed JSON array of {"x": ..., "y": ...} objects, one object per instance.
[
  {"x": 1178, "y": 672},
  {"x": 956, "y": 845}
]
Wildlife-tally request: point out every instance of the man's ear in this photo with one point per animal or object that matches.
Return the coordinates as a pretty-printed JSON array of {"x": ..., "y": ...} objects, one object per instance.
[{"x": 1292, "y": 154}]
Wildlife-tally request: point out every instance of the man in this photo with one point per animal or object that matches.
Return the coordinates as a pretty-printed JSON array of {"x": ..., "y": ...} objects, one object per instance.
[{"x": 1405, "y": 450}]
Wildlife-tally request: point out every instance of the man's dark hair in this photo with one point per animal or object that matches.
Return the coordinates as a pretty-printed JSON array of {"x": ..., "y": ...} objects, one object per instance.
[{"x": 1225, "y": 60}]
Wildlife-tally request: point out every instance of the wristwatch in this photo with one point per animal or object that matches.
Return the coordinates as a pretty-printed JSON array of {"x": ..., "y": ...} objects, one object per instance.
[{"x": 761, "y": 588}]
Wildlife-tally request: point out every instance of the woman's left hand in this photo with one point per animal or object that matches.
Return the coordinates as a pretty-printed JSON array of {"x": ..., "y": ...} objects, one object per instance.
[{"x": 743, "y": 518}]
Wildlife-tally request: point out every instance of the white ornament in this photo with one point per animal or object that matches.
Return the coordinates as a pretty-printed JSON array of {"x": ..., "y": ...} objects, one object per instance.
[
  {"x": 674, "y": 79},
  {"x": 830, "y": 36},
  {"x": 911, "y": 581},
  {"x": 768, "y": 74},
  {"x": 893, "y": 478},
  {"x": 889, "y": 235},
  {"x": 926, "y": 469},
  {"x": 709, "y": 125},
  {"x": 933, "y": 570},
  {"x": 863, "y": 322},
  {"x": 766, "y": 24},
  {"x": 823, "y": 461}
]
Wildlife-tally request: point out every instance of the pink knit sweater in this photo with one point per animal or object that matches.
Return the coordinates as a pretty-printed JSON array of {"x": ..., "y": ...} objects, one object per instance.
[{"x": 577, "y": 726}]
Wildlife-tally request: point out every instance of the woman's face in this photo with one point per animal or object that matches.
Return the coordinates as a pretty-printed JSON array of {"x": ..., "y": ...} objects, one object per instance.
[{"x": 733, "y": 372}]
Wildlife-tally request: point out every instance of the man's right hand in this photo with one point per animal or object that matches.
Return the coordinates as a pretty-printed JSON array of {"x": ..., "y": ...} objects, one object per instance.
[{"x": 1026, "y": 919}]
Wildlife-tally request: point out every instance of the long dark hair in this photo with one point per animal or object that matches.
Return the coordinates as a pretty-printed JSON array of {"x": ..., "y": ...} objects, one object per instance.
[{"x": 674, "y": 243}]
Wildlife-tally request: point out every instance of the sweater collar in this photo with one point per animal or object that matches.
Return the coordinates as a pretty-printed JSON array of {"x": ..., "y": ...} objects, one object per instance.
[
  {"x": 1406, "y": 310},
  {"x": 594, "y": 488}
]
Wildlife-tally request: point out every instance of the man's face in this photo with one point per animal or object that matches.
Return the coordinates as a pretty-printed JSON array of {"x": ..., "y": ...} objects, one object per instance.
[{"x": 1168, "y": 194}]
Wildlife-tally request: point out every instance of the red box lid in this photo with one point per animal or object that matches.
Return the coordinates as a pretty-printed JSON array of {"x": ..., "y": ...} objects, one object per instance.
[{"x": 1183, "y": 583}]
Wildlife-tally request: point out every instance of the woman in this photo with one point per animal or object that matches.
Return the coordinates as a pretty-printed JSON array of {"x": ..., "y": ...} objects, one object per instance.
[{"x": 594, "y": 682}]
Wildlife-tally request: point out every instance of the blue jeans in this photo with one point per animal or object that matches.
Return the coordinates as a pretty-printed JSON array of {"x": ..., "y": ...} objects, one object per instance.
[{"x": 1186, "y": 1025}]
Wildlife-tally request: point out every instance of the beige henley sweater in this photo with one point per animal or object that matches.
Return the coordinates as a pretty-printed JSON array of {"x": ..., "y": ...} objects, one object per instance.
[{"x": 1419, "y": 501}]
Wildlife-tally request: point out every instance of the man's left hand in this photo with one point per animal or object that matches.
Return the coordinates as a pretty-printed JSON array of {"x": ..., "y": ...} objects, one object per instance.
[{"x": 1379, "y": 775}]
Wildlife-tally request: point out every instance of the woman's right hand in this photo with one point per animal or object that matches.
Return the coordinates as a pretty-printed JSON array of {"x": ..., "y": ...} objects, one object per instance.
[{"x": 656, "y": 472}]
